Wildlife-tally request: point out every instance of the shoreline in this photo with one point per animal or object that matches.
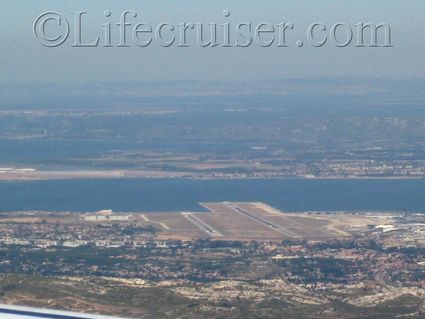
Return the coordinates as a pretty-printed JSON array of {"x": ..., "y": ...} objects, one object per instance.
[{"x": 138, "y": 174}]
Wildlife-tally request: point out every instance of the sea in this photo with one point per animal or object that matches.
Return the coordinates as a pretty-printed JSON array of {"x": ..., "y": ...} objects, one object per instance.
[{"x": 172, "y": 194}]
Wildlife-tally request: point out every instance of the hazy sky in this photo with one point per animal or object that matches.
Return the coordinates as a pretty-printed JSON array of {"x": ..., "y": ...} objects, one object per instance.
[{"x": 24, "y": 60}]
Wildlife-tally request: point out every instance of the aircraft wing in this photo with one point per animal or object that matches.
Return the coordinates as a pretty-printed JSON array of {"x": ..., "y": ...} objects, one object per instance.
[{"x": 18, "y": 312}]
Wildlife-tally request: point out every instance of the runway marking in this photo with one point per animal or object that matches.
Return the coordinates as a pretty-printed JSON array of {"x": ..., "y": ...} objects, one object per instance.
[
  {"x": 202, "y": 225},
  {"x": 285, "y": 217},
  {"x": 244, "y": 212},
  {"x": 145, "y": 218},
  {"x": 163, "y": 225},
  {"x": 268, "y": 209}
]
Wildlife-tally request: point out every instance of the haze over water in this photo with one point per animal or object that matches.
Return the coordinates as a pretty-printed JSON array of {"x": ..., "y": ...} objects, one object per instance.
[{"x": 184, "y": 194}]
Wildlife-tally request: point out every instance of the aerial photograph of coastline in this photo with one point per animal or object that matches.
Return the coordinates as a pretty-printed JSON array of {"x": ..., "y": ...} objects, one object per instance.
[{"x": 212, "y": 160}]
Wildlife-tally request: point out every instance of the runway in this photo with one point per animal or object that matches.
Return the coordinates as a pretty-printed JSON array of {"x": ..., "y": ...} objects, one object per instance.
[
  {"x": 239, "y": 210},
  {"x": 202, "y": 225}
]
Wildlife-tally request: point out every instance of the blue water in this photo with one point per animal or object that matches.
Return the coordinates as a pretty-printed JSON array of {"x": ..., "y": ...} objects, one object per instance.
[{"x": 184, "y": 194}]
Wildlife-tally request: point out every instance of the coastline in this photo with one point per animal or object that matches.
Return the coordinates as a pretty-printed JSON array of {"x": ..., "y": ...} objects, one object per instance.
[{"x": 140, "y": 174}]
